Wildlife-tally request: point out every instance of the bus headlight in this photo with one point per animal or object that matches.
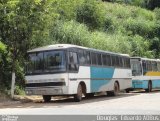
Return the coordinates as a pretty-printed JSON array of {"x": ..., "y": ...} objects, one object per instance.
[{"x": 62, "y": 79}]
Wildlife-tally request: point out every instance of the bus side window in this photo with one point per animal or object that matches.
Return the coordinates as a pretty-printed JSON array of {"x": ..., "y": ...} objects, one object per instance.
[
  {"x": 99, "y": 58},
  {"x": 144, "y": 67},
  {"x": 113, "y": 60},
  {"x": 128, "y": 63},
  {"x": 117, "y": 61},
  {"x": 108, "y": 60},
  {"x": 94, "y": 58},
  {"x": 158, "y": 65},
  {"x": 124, "y": 63},
  {"x": 154, "y": 66},
  {"x": 81, "y": 57},
  {"x": 87, "y": 57},
  {"x": 120, "y": 62},
  {"x": 147, "y": 69},
  {"x": 73, "y": 61},
  {"x": 104, "y": 59},
  {"x": 150, "y": 65}
]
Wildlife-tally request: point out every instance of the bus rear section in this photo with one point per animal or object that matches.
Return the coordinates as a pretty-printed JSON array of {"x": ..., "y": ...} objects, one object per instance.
[
  {"x": 145, "y": 74},
  {"x": 98, "y": 72}
]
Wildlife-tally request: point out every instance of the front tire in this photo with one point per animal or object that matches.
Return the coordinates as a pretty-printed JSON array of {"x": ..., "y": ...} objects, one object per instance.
[
  {"x": 78, "y": 96},
  {"x": 149, "y": 89},
  {"x": 46, "y": 98}
]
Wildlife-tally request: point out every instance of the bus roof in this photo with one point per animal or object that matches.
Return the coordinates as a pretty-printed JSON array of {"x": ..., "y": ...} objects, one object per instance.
[
  {"x": 149, "y": 59},
  {"x": 55, "y": 46},
  {"x": 65, "y": 46}
]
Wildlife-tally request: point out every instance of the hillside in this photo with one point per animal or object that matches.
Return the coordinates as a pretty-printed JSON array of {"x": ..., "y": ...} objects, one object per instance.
[
  {"x": 115, "y": 27},
  {"x": 108, "y": 26}
]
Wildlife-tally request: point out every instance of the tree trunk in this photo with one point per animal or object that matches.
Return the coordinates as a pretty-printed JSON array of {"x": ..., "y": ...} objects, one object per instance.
[{"x": 13, "y": 73}]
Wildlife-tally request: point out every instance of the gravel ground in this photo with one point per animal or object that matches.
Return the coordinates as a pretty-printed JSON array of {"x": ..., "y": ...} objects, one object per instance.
[{"x": 125, "y": 103}]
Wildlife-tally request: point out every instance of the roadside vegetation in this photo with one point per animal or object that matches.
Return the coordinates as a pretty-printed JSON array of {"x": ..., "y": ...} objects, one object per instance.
[{"x": 129, "y": 28}]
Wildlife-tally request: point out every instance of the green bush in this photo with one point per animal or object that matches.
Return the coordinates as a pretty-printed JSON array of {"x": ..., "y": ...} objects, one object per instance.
[
  {"x": 140, "y": 47},
  {"x": 91, "y": 13},
  {"x": 155, "y": 46},
  {"x": 130, "y": 19},
  {"x": 138, "y": 3},
  {"x": 2, "y": 47},
  {"x": 70, "y": 32},
  {"x": 144, "y": 14},
  {"x": 66, "y": 8},
  {"x": 141, "y": 27},
  {"x": 74, "y": 33},
  {"x": 157, "y": 13},
  {"x": 19, "y": 90},
  {"x": 109, "y": 25},
  {"x": 117, "y": 10},
  {"x": 110, "y": 42},
  {"x": 4, "y": 69},
  {"x": 122, "y": 11}
]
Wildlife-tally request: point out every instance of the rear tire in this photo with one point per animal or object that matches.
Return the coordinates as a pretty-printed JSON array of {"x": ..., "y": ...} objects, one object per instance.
[
  {"x": 46, "y": 98},
  {"x": 149, "y": 89},
  {"x": 115, "y": 92},
  {"x": 78, "y": 96}
]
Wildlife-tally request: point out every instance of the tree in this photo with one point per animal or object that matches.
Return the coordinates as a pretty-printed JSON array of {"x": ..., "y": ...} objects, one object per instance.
[
  {"x": 91, "y": 14},
  {"x": 2, "y": 48},
  {"x": 4, "y": 66},
  {"x": 155, "y": 46},
  {"x": 19, "y": 20},
  {"x": 152, "y": 4}
]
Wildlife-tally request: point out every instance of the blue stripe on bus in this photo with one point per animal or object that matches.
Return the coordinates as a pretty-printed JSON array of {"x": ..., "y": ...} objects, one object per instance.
[
  {"x": 143, "y": 84},
  {"x": 156, "y": 84},
  {"x": 139, "y": 84},
  {"x": 98, "y": 72}
]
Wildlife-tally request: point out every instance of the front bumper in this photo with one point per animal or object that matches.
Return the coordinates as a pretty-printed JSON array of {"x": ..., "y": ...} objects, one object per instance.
[{"x": 46, "y": 90}]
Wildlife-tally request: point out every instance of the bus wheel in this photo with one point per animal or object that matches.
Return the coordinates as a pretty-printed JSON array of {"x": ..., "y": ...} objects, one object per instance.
[
  {"x": 89, "y": 95},
  {"x": 78, "y": 96},
  {"x": 149, "y": 89},
  {"x": 115, "y": 91},
  {"x": 46, "y": 98}
]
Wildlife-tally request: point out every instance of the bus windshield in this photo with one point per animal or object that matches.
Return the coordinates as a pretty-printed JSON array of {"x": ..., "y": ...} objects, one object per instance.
[
  {"x": 136, "y": 68},
  {"x": 46, "y": 62}
]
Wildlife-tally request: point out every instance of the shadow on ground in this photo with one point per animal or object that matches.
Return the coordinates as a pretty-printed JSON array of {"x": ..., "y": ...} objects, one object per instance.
[
  {"x": 65, "y": 101},
  {"x": 144, "y": 92}
]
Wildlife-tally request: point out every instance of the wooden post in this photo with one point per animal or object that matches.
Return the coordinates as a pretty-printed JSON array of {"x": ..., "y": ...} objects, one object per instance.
[{"x": 13, "y": 85}]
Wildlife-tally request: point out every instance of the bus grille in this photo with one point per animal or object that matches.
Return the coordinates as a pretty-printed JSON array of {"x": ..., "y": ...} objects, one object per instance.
[{"x": 45, "y": 84}]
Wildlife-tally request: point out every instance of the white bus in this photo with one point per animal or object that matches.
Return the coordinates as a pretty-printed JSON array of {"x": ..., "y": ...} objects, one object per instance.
[
  {"x": 65, "y": 69},
  {"x": 146, "y": 73}
]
